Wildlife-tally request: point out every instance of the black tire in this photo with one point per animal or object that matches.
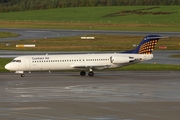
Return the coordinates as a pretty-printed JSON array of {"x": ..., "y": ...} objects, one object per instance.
[
  {"x": 22, "y": 75},
  {"x": 91, "y": 74},
  {"x": 82, "y": 73}
]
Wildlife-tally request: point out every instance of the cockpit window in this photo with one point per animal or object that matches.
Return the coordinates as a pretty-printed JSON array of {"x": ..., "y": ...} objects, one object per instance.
[
  {"x": 16, "y": 60},
  {"x": 13, "y": 60}
]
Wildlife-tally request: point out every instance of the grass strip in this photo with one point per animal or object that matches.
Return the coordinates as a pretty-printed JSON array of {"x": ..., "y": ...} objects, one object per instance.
[
  {"x": 8, "y": 34},
  {"x": 124, "y": 18},
  {"x": 149, "y": 67},
  {"x": 107, "y": 15},
  {"x": 100, "y": 43}
]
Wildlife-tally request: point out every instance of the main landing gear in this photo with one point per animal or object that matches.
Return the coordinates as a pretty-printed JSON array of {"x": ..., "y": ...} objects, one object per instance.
[
  {"x": 83, "y": 73},
  {"x": 22, "y": 75}
]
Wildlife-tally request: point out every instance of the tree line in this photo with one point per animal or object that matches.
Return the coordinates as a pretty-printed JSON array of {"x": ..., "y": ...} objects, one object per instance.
[{"x": 23, "y": 5}]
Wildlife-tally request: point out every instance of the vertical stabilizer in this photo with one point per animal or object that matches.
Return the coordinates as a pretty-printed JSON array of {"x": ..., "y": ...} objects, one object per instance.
[{"x": 147, "y": 45}]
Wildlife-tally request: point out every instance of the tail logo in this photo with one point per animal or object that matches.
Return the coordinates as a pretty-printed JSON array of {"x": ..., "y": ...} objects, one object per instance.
[{"x": 147, "y": 47}]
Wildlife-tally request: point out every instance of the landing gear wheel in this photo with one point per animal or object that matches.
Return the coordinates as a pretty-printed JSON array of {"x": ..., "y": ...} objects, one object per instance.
[
  {"x": 82, "y": 73},
  {"x": 22, "y": 75},
  {"x": 91, "y": 74}
]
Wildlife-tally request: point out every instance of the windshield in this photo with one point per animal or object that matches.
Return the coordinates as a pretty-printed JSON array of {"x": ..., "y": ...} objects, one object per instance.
[{"x": 16, "y": 60}]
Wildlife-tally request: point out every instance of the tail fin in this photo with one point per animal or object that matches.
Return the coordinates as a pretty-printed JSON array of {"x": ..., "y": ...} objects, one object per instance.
[{"x": 147, "y": 45}]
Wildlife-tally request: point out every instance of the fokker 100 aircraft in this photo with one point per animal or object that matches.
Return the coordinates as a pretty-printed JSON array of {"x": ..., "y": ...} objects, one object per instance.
[{"x": 84, "y": 62}]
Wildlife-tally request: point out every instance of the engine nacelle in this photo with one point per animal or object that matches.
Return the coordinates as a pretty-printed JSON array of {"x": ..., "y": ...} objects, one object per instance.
[{"x": 120, "y": 60}]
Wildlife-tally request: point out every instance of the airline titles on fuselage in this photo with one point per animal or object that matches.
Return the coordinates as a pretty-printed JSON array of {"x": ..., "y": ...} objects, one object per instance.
[{"x": 40, "y": 58}]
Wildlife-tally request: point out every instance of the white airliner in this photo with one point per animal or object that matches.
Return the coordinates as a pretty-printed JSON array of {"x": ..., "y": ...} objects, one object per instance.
[{"x": 84, "y": 62}]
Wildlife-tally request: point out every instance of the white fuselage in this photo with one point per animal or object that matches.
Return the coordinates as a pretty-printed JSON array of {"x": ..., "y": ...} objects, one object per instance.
[{"x": 74, "y": 61}]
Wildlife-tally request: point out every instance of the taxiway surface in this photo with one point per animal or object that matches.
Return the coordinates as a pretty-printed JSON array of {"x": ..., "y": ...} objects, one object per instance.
[
  {"x": 53, "y": 33},
  {"x": 109, "y": 95}
]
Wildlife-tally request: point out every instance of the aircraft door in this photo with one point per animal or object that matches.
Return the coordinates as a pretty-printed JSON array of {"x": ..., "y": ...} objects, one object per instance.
[
  {"x": 27, "y": 63},
  {"x": 111, "y": 59}
]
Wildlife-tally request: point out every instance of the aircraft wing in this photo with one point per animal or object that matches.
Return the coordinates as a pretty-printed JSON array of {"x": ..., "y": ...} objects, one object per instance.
[{"x": 91, "y": 66}]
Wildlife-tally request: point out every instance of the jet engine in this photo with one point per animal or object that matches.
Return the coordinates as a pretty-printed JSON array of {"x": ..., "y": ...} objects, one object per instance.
[{"x": 120, "y": 60}]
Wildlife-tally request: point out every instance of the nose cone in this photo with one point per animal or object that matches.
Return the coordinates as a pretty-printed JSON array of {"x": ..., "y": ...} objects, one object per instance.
[{"x": 7, "y": 66}]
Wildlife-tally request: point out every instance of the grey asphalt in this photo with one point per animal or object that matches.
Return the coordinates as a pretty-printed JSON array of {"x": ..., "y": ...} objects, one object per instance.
[
  {"x": 52, "y": 33},
  {"x": 109, "y": 95},
  {"x": 163, "y": 57}
]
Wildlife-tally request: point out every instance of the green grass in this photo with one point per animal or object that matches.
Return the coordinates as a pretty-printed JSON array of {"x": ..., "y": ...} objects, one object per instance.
[
  {"x": 3, "y": 62},
  {"x": 95, "y": 14},
  {"x": 7, "y": 34},
  {"x": 152, "y": 67},
  {"x": 84, "y": 17}
]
